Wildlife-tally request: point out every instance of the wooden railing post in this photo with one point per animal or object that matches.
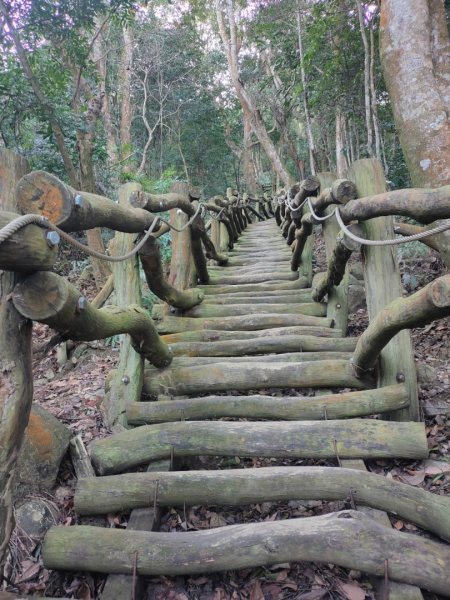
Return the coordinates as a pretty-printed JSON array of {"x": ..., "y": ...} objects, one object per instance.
[
  {"x": 337, "y": 306},
  {"x": 181, "y": 274},
  {"x": 16, "y": 378},
  {"x": 383, "y": 284}
]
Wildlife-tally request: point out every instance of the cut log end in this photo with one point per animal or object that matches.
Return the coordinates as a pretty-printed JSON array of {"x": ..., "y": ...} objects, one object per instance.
[
  {"x": 40, "y": 295},
  {"x": 43, "y": 194}
]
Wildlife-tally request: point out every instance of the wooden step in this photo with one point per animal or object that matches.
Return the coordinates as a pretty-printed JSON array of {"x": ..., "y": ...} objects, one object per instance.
[
  {"x": 256, "y": 278},
  {"x": 348, "y": 539},
  {"x": 243, "y": 322},
  {"x": 215, "y": 335},
  {"x": 263, "y": 345},
  {"x": 267, "y": 484},
  {"x": 349, "y": 438},
  {"x": 299, "y": 283},
  {"x": 250, "y": 376},
  {"x": 315, "y": 309},
  {"x": 300, "y": 408}
]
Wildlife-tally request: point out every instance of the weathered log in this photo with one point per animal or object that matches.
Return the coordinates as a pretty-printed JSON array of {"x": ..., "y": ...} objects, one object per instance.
[
  {"x": 243, "y": 323},
  {"x": 301, "y": 237},
  {"x": 199, "y": 230},
  {"x": 180, "y": 274},
  {"x": 126, "y": 385},
  {"x": 430, "y": 303},
  {"x": 49, "y": 298},
  {"x": 150, "y": 256},
  {"x": 424, "y": 205},
  {"x": 16, "y": 376},
  {"x": 80, "y": 459},
  {"x": 269, "y": 484},
  {"x": 337, "y": 264},
  {"x": 163, "y": 202},
  {"x": 380, "y": 266},
  {"x": 256, "y": 278},
  {"x": 104, "y": 293},
  {"x": 44, "y": 194},
  {"x": 381, "y": 550},
  {"x": 355, "y": 438},
  {"x": 297, "y": 408},
  {"x": 288, "y": 357},
  {"x": 28, "y": 249},
  {"x": 299, "y": 297},
  {"x": 408, "y": 229},
  {"x": 343, "y": 190},
  {"x": 302, "y": 293},
  {"x": 262, "y": 345},
  {"x": 224, "y": 376},
  {"x": 216, "y": 310},
  {"x": 214, "y": 335}
]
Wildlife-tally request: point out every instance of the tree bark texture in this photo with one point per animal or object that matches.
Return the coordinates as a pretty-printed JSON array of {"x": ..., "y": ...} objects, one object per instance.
[
  {"x": 28, "y": 249},
  {"x": 16, "y": 377},
  {"x": 44, "y": 194},
  {"x": 296, "y": 408},
  {"x": 415, "y": 49},
  {"x": 355, "y": 438},
  {"x": 430, "y": 303},
  {"x": 49, "y": 298},
  {"x": 410, "y": 558}
]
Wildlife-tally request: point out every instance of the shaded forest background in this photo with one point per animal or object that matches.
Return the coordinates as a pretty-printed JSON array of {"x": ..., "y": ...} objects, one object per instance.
[{"x": 103, "y": 92}]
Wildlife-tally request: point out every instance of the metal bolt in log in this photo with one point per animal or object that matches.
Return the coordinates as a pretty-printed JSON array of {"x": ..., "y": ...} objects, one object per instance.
[{"x": 49, "y": 298}]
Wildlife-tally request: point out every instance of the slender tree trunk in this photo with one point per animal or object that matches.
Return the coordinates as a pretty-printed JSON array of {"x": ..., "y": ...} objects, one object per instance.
[
  {"x": 373, "y": 97},
  {"x": 125, "y": 98},
  {"x": 232, "y": 45},
  {"x": 248, "y": 166},
  {"x": 309, "y": 133},
  {"x": 341, "y": 161},
  {"x": 367, "y": 104}
]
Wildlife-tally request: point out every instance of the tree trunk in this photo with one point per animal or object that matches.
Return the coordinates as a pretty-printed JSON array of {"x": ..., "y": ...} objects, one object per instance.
[
  {"x": 126, "y": 111},
  {"x": 16, "y": 377},
  {"x": 414, "y": 54},
  {"x": 367, "y": 100}
]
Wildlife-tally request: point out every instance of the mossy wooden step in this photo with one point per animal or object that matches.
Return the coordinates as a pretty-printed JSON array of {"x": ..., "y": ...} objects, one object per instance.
[{"x": 350, "y": 438}]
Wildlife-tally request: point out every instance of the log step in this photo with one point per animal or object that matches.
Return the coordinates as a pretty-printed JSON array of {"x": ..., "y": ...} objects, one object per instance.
[
  {"x": 298, "y": 284},
  {"x": 267, "y": 484},
  {"x": 327, "y": 539},
  {"x": 215, "y": 335},
  {"x": 205, "y": 310},
  {"x": 241, "y": 322},
  {"x": 300, "y": 408},
  {"x": 288, "y": 357},
  {"x": 355, "y": 438},
  {"x": 263, "y": 345},
  {"x": 250, "y": 376}
]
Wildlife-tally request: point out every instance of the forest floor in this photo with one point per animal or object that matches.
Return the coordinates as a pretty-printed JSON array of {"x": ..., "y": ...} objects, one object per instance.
[{"x": 74, "y": 395}]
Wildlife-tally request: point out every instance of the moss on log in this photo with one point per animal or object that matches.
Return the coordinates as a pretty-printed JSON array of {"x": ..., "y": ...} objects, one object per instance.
[
  {"x": 297, "y": 408},
  {"x": 268, "y": 484},
  {"x": 424, "y": 205},
  {"x": 298, "y": 284},
  {"x": 268, "y": 298},
  {"x": 27, "y": 250},
  {"x": 228, "y": 376},
  {"x": 337, "y": 264},
  {"x": 288, "y": 357},
  {"x": 301, "y": 236},
  {"x": 49, "y": 298},
  {"x": 150, "y": 256},
  {"x": 411, "y": 559},
  {"x": 262, "y": 345},
  {"x": 256, "y": 278},
  {"x": 215, "y": 335},
  {"x": 353, "y": 438},
  {"x": 430, "y": 303},
  {"x": 243, "y": 322},
  {"x": 207, "y": 310},
  {"x": 43, "y": 194}
]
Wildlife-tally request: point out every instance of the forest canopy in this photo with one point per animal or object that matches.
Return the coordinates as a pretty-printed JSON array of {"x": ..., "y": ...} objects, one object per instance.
[{"x": 103, "y": 91}]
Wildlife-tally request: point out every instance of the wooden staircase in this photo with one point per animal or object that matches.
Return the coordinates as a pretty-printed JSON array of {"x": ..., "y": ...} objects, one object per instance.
[{"x": 262, "y": 343}]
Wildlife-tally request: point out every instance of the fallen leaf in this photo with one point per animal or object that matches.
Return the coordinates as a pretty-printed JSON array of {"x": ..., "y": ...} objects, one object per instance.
[
  {"x": 416, "y": 478},
  {"x": 399, "y": 524},
  {"x": 352, "y": 591},
  {"x": 256, "y": 592},
  {"x": 313, "y": 594}
]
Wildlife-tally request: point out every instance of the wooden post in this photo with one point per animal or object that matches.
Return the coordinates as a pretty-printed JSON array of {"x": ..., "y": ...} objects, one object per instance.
[
  {"x": 16, "y": 378},
  {"x": 382, "y": 282},
  {"x": 180, "y": 275},
  {"x": 126, "y": 385},
  {"x": 337, "y": 305}
]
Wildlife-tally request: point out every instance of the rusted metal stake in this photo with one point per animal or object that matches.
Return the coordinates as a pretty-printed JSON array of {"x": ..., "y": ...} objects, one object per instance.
[
  {"x": 155, "y": 496},
  {"x": 336, "y": 453}
]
